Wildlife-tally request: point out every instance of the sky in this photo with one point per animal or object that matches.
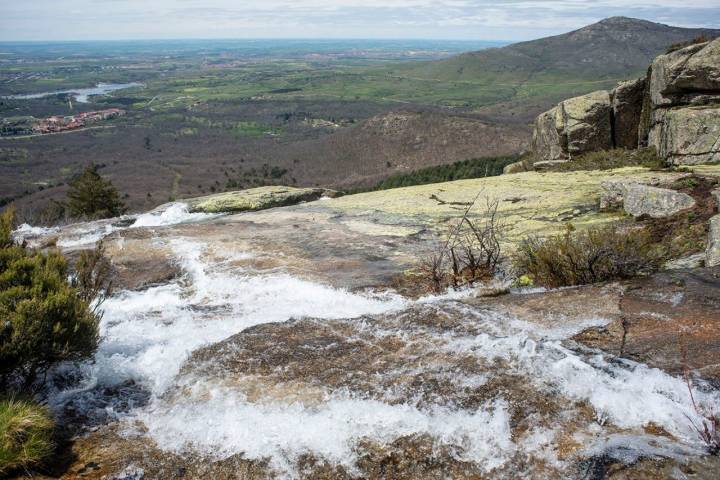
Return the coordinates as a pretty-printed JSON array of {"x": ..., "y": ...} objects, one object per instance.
[{"x": 439, "y": 19}]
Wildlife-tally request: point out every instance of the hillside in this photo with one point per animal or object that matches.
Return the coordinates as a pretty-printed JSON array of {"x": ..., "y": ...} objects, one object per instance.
[
  {"x": 616, "y": 46},
  {"x": 524, "y": 78},
  {"x": 168, "y": 165}
]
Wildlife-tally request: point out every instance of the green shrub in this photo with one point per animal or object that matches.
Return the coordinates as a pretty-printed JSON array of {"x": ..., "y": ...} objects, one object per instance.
[
  {"x": 26, "y": 430},
  {"x": 91, "y": 196},
  {"x": 594, "y": 255},
  {"x": 44, "y": 319}
]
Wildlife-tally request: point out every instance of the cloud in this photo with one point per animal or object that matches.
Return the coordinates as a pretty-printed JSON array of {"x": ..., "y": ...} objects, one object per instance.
[{"x": 496, "y": 19}]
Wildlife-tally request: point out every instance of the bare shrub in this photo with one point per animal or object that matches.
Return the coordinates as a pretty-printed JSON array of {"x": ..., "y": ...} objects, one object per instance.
[
  {"x": 471, "y": 252},
  {"x": 594, "y": 255},
  {"x": 709, "y": 428},
  {"x": 92, "y": 279}
]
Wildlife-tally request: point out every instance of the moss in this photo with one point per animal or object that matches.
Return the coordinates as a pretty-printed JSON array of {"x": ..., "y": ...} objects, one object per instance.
[{"x": 26, "y": 430}]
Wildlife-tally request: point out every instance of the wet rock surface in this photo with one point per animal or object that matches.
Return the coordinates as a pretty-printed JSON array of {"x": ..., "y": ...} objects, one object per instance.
[
  {"x": 663, "y": 318},
  {"x": 276, "y": 353},
  {"x": 487, "y": 378}
]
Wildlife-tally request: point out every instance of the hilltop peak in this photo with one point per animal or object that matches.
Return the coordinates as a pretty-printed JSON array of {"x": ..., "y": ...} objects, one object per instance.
[{"x": 619, "y": 20}]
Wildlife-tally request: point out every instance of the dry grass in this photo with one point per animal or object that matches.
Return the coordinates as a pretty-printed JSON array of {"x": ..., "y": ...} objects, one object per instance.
[
  {"x": 26, "y": 430},
  {"x": 702, "y": 38}
]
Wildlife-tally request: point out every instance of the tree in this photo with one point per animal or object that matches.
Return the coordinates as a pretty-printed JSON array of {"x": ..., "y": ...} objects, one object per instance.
[
  {"x": 44, "y": 318},
  {"x": 91, "y": 196}
]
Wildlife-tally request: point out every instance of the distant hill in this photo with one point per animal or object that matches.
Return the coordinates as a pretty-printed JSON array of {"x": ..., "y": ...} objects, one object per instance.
[
  {"x": 523, "y": 79},
  {"x": 614, "y": 46}
]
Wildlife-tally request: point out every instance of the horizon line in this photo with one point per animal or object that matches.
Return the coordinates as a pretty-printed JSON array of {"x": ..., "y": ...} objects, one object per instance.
[{"x": 180, "y": 39}]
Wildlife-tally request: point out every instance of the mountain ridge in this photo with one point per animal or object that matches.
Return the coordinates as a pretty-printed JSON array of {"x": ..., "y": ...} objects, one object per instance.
[{"x": 610, "y": 47}]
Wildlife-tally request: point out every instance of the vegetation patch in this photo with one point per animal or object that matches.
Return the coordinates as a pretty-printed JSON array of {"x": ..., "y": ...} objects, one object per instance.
[
  {"x": 26, "y": 431},
  {"x": 91, "y": 196},
  {"x": 473, "y": 168},
  {"x": 686, "y": 233},
  {"x": 610, "y": 159},
  {"x": 470, "y": 253},
  {"x": 45, "y": 318},
  {"x": 582, "y": 257},
  {"x": 702, "y": 38}
]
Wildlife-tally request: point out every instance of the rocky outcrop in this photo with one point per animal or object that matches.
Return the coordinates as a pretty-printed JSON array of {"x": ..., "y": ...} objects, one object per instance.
[
  {"x": 256, "y": 199},
  {"x": 547, "y": 145},
  {"x": 689, "y": 76},
  {"x": 683, "y": 99},
  {"x": 627, "y": 101},
  {"x": 675, "y": 109},
  {"x": 587, "y": 123},
  {"x": 576, "y": 126}
]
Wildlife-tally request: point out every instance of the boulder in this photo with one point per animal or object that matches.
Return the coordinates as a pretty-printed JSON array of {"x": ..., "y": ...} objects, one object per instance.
[
  {"x": 546, "y": 143},
  {"x": 687, "y": 136},
  {"x": 712, "y": 254},
  {"x": 586, "y": 123},
  {"x": 256, "y": 199},
  {"x": 613, "y": 194},
  {"x": 627, "y": 102},
  {"x": 516, "y": 167},
  {"x": 716, "y": 196},
  {"x": 687, "y": 76},
  {"x": 643, "y": 200},
  {"x": 575, "y": 126},
  {"x": 547, "y": 165}
]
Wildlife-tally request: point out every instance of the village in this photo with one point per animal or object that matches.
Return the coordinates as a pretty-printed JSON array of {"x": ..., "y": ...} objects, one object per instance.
[{"x": 59, "y": 123}]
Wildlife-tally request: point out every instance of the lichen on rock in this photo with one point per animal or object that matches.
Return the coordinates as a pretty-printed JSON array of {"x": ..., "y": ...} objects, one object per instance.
[{"x": 256, "y": 199}]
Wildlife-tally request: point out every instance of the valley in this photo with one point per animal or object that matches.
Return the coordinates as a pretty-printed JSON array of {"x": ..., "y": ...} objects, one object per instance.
[{"x": 208, "y": 116}]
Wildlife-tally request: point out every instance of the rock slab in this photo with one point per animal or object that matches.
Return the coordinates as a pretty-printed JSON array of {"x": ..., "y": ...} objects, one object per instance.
[{"x": 256, "y": 199}]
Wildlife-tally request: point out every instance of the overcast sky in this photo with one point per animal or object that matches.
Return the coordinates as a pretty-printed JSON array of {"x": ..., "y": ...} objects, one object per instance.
[{"x": 451, "y": 19}]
